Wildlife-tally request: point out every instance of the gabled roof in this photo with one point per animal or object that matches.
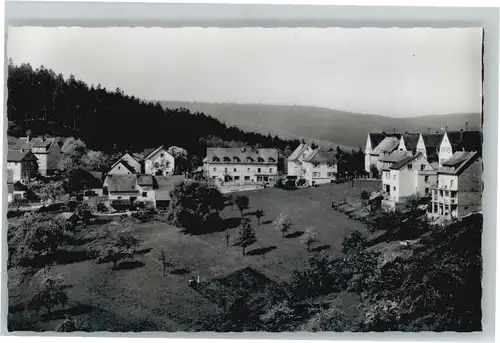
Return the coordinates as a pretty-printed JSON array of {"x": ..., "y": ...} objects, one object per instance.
[
  {"x": 410, "y": 141},
  {"x": 145, "y": 180},
  {"x": 457, "y": 163},
  {"x": 320, "y": 155},
  {"x": 388, "y": 144},
  {"x": 394, "y": 156},
  {"x": 298, "y": 151},
  {"x": 40, "y": 142},
  {"x": 242, "y": 155},
  {"x": 152, "y": 153},
  {"x": 122, "y": 183},
  {"x": 125, "y": 164},
  {"x": 22, "y": 144},
  {"x": 18, "y": 155},
  {"x": 400, "y": 164},
  {"x": 466, "y": 140},
  {"x": 432, "y": 140},
  {"x": 376, "y": 138}
]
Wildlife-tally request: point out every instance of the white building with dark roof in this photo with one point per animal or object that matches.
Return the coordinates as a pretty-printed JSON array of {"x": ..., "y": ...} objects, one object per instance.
[
  {"x": 241, "y": 165},
  {"x": 407, "y": 175},
  {"x": 459, "y": 186},
  {"x": 46, "y": 150},
  {"x": 314, "y": 164}
]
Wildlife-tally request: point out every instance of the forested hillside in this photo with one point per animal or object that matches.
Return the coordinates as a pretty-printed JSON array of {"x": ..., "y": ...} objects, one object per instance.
[{"x": 44, "y": 102}]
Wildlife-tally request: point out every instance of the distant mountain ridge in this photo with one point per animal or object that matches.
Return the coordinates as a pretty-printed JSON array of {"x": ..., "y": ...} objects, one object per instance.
[{"x": 323, "y": 125}]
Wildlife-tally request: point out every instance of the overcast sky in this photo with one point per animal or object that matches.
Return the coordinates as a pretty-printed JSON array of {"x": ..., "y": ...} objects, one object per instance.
[{"x": 395, "y": 72}]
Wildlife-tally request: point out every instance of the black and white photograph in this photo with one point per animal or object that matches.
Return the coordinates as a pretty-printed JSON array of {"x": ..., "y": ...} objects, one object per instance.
[{"x": 254, "y": 179}]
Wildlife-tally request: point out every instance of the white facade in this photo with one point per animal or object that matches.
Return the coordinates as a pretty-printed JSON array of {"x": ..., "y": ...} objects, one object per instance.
[
  {"x": 445, "y": 149},
  {"x": 296, "y": 167},
  {"x": 319, "y": 173},
  {"x": 159, "y": 162},
  {"x": 421, "y": 146},
  {"x": 368, "y": 157},
  {"x": 242, "y": 172},
  {"x": 413, "y": 178}
]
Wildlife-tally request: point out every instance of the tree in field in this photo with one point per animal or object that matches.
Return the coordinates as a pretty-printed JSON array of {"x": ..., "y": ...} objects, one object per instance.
[
  {"x": 37, "y": 235},
  {"x": 242, "y": 202},
  {"x": 355, "y": 242},
  {"x": 246, "y": 236},
  {"x": 50, "y": 294},
  {"x": 96, "y": 160},
  {"x": 181, "y": 158},
  {"x": 230, "y": 201},
  {"x": 283, "y": 224},
  {"x": 164, "y": 261},
  {"x": 195, "y": 206},
  {"x": 309, "y": 237},
  {"x": 227, "y": 236},
  {"x": 259, "y": 214},
  {"x": 48, "y": 191},
  {"x": 116, "y": 244},
  {"x": 73, "y": 151}
]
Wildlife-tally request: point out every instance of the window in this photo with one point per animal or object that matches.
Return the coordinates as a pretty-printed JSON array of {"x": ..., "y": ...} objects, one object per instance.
[
  {"x": 162, "y": 155},
  {"x": 426, "y": 178},
  {"x": 248, "y": 170},
  {"x": 236, "y": 177},
  {"x": 427, "y": 191},
  {"x": 394, "y": 188},
  {"x": 387, "y": 176},
  {"x": 329, "y": 174},
  {"x": 214, "y": 177},
  {"x": 144, "y": 194},
  {"x": 234, "y": 169},
  {"x": 422, "y": 167},
  {"x": 271, "y": 159},
  {"x": 237, "y": 159},
  {"x": 119, "y": 167},
  {"x": 394, "y": 177},
  {"x": 315, "y": 165},
  {"x": 258, "y": 170},
  {"x": 270, "y": 170},
  {"x": 452, "y": 182},
  {"x": 227, "y": 159},
  {"x": 215, "y": 159},
  {"x": 247, "y": 178},
  {"x": 225, "y": 170},
  {"x": 329, "y": 165},
  {"x": 410, "y": 166},
  {"x": 249, "y": 159},
  {"x": 316, "y": 174},
  {"x": 215, "y": 169},
  {"x": 119, "y": 198}
]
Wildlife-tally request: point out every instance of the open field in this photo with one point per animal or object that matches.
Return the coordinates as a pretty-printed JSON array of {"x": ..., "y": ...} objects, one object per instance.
[{"x": 138, "y": 295}]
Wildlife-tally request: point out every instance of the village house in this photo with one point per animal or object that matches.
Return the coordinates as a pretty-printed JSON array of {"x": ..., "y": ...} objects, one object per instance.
[
  {"x": 46, "y": 150},
  {"x": 159, "y": 162},
  {"x": 408, "y": 142},
  {"x": 457, "y": 192},
  {"x": 241, "y": 165},
  {"x": 372, "y": 141},
  {"x": 125, "y": 190},
  {"x": 411, "y": 175},
  {"x": 385, "y": 147},
  {"x": 22, "y": 165},
  {"x": 459, "y": 141},
  {"x": 313, "y": 164},
  {"x": 428, "y": 144}
]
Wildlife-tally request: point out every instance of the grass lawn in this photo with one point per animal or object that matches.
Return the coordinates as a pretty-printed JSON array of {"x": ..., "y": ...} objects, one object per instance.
[{"x": 138, "y": 295}]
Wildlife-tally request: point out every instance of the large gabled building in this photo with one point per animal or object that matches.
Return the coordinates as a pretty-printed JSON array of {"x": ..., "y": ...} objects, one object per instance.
[
  {"x": 314, "y": 164},
  {"x": 241, "y": 165}
]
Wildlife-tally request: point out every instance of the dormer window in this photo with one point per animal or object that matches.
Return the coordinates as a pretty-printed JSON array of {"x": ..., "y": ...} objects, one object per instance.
[
  {"x": 271, "y": 159},
  {"x": 249, "y": 159},
  {"x": 215, "y": 159},
  {"x": 227, "y": 159},
  {"x": 236, "y": 159},
  {"x": 260, "y": 159}
]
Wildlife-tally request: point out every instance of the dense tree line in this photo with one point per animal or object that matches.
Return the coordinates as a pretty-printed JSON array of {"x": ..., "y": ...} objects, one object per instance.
[{"x": 43, "y": 102}]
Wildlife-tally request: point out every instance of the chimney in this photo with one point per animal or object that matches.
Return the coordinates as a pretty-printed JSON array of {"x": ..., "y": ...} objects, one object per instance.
[{"x": 466, "y": 126}]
